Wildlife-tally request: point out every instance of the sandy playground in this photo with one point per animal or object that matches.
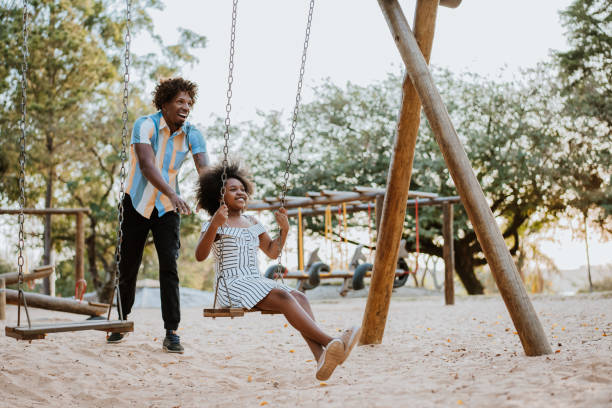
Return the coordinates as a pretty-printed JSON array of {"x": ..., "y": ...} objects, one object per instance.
[{"x": 432, "y": 356}]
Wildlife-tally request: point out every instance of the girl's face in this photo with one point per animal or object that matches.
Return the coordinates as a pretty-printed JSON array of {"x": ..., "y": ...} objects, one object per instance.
[{"x": 235, "y": 194}]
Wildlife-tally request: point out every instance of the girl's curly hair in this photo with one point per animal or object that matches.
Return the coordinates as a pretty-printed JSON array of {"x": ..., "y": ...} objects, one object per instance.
[
  {"x": 209, "y": 185},
  {"x": 168, "y": 88}
]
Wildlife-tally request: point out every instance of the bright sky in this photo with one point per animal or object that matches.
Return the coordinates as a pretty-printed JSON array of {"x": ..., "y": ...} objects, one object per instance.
[{"x": 350, "y": 41}]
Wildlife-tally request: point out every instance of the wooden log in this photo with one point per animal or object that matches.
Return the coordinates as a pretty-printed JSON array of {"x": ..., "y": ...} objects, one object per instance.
[
  {"x": 2, "y": 299},
  {"x": 398, "y": 181},
  {"x": 57, "y": 304},
  {"x": 38, "y": 273},
  {"x": 489, "y": 236},
  {"x": 448, "y": 253}
]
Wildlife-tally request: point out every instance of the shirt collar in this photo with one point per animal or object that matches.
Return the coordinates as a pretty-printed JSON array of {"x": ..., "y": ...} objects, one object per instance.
[{"x": 163, "y": 124}]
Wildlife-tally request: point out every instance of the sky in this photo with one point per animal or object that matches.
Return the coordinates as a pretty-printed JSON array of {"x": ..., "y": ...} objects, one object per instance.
[{"x": 349, "y": 41}]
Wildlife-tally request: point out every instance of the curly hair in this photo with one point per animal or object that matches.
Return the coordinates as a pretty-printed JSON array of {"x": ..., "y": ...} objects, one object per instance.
[
  {"x": 168, "y": 88},
  {"x": 209, "y": 185}
]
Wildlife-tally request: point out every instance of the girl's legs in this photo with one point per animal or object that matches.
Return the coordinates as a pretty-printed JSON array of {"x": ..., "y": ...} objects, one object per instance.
[
  {"x": 279, "y": 300},
  {"x": 316, "y": 348}
]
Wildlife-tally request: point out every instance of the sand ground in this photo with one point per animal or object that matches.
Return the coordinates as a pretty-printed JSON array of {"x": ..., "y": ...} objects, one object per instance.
[{"x": 431, "y": 356}]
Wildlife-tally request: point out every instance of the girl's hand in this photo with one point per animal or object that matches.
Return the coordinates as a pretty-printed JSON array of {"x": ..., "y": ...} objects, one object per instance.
[
  {"x": 220, "y": 216},
  {"x": 281, "y": 218}
]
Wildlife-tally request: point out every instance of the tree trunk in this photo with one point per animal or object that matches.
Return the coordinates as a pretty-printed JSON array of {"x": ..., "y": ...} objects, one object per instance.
[
  {"x": 90, "y": 243},
  {"x": 464, "y": 266}
]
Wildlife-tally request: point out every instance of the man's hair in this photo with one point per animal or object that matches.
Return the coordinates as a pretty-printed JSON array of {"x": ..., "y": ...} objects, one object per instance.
[
  {"x": 209, "y": 185},
  {"x": 168, "y": 88}
]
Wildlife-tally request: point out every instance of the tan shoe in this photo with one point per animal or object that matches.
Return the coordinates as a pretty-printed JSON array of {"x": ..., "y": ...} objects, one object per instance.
[
  {"x": 329, "y": 360},
  {"x": 350, "y": 338}
]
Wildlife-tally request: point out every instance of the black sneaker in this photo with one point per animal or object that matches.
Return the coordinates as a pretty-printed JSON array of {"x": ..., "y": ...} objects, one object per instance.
[
  {"x": 172, "y": 344},
  {"x": 116, "y": 338}
]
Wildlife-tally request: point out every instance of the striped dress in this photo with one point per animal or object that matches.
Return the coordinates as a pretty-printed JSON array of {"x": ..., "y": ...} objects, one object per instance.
[{"x": 245, "y": 284}]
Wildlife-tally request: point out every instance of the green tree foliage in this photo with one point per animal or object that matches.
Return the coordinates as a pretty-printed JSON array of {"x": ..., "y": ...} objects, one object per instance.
[
  {"x": 75, "y": 88},
  {"x": 511, "y": 131},
  {"x": 586, "y": 79}
]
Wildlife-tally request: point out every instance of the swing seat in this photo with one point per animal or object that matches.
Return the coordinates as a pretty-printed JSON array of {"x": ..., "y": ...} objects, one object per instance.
[
  {"x": 39, "y": 332},
  {"x": 234, "y": 312}
]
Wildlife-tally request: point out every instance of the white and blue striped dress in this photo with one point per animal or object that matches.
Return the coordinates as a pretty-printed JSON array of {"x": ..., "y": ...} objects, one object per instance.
[{"x": 245, "y": 284}]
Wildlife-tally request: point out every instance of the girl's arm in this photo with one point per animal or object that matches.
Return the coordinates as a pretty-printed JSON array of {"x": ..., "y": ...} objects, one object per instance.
[
  {"x": 271, "y": 247},
  {"x": 208, "y": 238}
]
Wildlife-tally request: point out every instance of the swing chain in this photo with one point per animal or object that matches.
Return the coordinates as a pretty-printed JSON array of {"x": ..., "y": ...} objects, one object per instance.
[
  {"x": 296, "y": 108},
  {"x": 123, "y": 156},
  {"x": 22, "y": 163},
  {"x": 226, "y": 136}
]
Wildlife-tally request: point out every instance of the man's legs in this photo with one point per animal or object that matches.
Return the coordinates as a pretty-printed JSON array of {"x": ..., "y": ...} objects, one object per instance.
[
  {"x": 167, "y": 243},
  {"x": 135, "y": 229}
]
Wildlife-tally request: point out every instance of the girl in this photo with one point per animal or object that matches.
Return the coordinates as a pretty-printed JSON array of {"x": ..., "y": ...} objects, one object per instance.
[{"x": 239, "y": 239}]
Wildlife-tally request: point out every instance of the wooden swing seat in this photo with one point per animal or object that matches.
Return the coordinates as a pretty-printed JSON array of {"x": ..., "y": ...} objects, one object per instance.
[
  {"x": 39, "y": 332},
  {"x": 234, "y": 312}
]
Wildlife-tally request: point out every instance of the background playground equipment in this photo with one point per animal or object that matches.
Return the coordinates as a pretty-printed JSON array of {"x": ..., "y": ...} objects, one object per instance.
[{"x": 316, "y": 203}]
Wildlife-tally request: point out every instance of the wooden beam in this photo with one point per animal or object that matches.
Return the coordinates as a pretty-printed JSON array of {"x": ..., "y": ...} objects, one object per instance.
[
  {"x": 448, "y": 254},
  {"x": 57, "y": 304},
  {"x": 489, "y": 236},
  {"x": 450, "y": 3},
  {"x": 398, "y": 181}
]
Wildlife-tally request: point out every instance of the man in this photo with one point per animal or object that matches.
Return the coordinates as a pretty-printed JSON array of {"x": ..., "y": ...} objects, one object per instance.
[{"x": 159, "y": 145}]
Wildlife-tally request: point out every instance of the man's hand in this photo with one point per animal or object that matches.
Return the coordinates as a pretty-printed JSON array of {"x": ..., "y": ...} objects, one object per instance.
[{"x": 180, "y": 205}]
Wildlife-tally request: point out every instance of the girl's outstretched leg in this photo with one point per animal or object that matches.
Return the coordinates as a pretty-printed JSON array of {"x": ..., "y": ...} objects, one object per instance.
[
  {"x": 281, "y": 301},
  {"x": 316, "y": 348}
]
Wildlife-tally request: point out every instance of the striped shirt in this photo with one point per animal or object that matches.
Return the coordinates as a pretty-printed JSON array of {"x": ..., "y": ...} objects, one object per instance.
[
  {"x": 245, "y": 285},
  {"x": 170, "y": 152}
]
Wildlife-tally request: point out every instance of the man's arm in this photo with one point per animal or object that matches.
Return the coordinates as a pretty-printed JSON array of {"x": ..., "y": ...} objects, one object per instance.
[
  {"x": 146, "y": 162},
  {"x": 201, "y": 162}
]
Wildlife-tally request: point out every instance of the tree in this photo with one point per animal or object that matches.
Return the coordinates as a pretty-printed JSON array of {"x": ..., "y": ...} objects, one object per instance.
[{"x": 511, "y": 132}]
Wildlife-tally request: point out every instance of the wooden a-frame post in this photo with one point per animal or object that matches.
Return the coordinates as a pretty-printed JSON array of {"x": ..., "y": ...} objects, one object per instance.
[{"x": 420, "y": 88}]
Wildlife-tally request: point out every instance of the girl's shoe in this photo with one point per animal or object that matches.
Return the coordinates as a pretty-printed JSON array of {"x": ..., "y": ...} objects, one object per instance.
[
  {"x": 350, "y": 338},
  {"x": 329, "y": 360}
]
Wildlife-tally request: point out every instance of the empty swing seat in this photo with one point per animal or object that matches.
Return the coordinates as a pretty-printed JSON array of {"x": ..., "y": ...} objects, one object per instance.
[{"x": 39, "y": 332}]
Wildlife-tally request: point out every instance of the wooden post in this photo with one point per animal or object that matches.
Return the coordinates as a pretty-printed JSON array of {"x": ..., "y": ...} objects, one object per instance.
[
  {"x": 449, "y": 254},
  {"x": 398, "y": 181},
  {"x": 2, "y": 300},
  {"x": 300, "y": 237},
  {"x": 489, "y": 236},
  {"x": 79, "y": 267},
  {"x": 378, "y": 207}
]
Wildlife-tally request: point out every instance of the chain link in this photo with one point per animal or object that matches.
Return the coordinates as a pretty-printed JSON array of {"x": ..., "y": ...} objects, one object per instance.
[
  {"x": 296, "y": 109},
  {"x": 22, "y": 163},
  {"x": 123, "y": 156},
  {"x": 226, "y": 136}
]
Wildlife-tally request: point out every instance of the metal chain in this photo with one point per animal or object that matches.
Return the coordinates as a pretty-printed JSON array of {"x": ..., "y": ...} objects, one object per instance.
[
  {"x": 226, "y": 136},
  {"x": 123, "y": 155},
  {"x": 22, "y": 163},
  {"x": 294, "y": 119}
]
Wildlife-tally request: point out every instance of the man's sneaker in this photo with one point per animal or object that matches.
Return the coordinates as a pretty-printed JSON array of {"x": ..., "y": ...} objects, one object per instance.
[
  {"x": 116, "y": 338},
  {"x": 172, "y": 344}
]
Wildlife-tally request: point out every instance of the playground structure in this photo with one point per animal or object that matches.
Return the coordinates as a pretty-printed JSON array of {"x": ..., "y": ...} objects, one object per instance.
[{"x": 358, "y": 200}]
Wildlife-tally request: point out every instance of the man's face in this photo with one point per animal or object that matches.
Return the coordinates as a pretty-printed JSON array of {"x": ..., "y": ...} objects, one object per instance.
[{"x": 176, "y": 111}]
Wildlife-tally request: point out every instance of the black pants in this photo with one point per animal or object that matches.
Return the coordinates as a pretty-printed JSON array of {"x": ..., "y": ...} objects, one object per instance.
[{"x": 165, "y": 230}]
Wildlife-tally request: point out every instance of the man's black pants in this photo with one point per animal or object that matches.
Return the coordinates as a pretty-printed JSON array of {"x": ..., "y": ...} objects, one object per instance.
[{"x": 165, "y": 230}]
